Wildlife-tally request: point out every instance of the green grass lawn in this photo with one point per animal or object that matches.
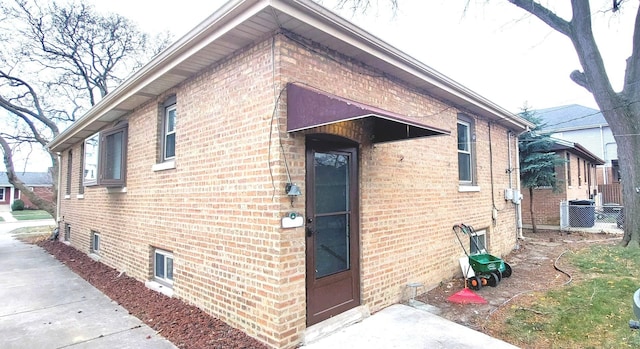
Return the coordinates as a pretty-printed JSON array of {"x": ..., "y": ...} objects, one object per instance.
[
  {"x": 592, "y": 312},
  {"x": 27, "y": 215}
]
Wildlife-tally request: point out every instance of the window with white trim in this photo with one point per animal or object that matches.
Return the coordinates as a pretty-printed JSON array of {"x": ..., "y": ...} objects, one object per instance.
[
  {"x": 466, "y": 168},
  {"x": 69, "y": 170},
  {"x": 67, "y": 232},
  {"x": 169, "y": 130},
  {"x": 91, "y": 153},
  {"x": 81, "y": 172},
  {"x": 2, "y": 194},
  {"x": 95, "y": 242},
  {"x": 163, "y": 266},
  {"x": 478, "y": 242}
]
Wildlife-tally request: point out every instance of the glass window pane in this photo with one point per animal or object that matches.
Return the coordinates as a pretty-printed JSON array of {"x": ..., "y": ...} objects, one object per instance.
[
  {"x": 332, "y": 244},
  {"x": 159, "y": 266},
  {"x": 91, "y": 159},
  {"x": 463, "y": 137},
  {"x": 464, "y": 166},
  {"x": 113, "y": 159},
  {"x": 332, "y": 183},
  {"x": 171, "y": 119},
  {"x": 170, "y": 146},
  {"x": 169, "y": 268}
]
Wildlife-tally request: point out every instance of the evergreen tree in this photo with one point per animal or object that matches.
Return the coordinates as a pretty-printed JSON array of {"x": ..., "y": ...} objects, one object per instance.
[{"x": 537, "y": 161}]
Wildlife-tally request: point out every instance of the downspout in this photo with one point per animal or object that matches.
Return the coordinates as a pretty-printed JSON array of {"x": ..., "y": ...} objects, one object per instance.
[
  {"x": 494, "y": 210},
  {"x": 58, "y": 200},
  {"x": 517, "y": 202},
  {"x": 510, "y": 167}
]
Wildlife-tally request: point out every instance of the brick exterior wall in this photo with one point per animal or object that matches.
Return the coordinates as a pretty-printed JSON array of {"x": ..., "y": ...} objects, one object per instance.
[
  {"x": 219, "y": 210},
  {"x": 546, "y": 203},
  {"x": 45, "y": 193}
]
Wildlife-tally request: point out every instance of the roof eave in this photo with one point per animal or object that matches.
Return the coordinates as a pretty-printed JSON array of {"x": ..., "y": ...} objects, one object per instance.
[{"x": 235, "y": 13}]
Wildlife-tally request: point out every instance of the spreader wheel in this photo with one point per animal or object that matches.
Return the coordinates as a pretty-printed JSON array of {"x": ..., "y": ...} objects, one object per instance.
[
  {"x": 507, "y": 270},
  {"x": 474, "y": 283},
  {"x": 493, "y": 280}
]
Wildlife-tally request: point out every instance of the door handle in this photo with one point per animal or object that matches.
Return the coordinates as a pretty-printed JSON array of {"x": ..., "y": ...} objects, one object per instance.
[{"x": 310, "y": 231}]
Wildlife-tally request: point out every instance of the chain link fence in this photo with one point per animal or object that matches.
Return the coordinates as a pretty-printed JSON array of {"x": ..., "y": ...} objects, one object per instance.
[{"x": 585, "y": 214}]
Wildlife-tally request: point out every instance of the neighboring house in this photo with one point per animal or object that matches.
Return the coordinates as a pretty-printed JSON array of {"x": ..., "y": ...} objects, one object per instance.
[
  {"x": 576, "y": 181},
  {"x": 278, "y": 166},
  {"x": 579, "y": 124},
  {"x": 40, "y": 182}
]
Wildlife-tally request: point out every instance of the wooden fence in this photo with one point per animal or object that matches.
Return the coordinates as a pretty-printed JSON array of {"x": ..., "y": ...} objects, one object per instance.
[{"x": 611, "y": 193}]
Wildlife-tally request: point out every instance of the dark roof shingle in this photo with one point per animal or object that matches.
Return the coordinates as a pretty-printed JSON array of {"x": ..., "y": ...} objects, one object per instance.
[{"x": 29, "y": 178}]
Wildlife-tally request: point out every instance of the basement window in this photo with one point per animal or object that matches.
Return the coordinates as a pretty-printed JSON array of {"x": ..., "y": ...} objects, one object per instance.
[
  {"x": 95, "y": 242},
  {"x": 163, "y": 267},
  {"x": 478, "y": 243}
]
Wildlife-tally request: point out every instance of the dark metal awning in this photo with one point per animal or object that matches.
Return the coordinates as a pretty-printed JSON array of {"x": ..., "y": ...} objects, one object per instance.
[{"x": 308, "y": 108}]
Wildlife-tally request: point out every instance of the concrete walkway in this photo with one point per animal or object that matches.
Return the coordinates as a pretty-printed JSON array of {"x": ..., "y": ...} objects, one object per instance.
[
  {"x": 7, "y": 217},
  {"x": 46, "y": 305},
  {"x": 404, "y": 327}
]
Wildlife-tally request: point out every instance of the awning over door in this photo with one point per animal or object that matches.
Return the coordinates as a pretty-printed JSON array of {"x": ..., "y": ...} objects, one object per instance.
[{"x": 307, "y": 108}]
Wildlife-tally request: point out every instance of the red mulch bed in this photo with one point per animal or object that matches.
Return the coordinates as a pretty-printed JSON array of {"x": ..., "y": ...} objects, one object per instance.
[{"x": 184, "y": 325}]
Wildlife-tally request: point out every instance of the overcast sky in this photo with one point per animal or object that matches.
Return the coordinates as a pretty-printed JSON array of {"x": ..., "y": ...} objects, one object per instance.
[{"x": 493, "y": 48}]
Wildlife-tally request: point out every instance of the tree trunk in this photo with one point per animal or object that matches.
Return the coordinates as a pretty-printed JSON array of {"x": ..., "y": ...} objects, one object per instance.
[
  {"x": 627, "y": 135},
  {"x": 532, "y": 211},
  {"x": 49, "y": 206}
]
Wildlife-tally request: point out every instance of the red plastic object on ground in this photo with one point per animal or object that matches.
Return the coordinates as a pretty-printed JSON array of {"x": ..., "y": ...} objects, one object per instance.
[{"x": 466, "y": 296}]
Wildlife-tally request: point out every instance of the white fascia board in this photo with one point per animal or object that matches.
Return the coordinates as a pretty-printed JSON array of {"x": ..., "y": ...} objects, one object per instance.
[
  {"x": 203, "y": 34},
  {"x": 325, "y": 20}
]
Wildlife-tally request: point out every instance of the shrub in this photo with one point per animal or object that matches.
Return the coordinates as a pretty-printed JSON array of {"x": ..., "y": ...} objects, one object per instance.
[{"x": 17, "y": 205}]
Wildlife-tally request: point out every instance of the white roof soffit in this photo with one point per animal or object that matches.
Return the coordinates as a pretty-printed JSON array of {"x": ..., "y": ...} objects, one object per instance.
[{"x": 239, "y": 23}]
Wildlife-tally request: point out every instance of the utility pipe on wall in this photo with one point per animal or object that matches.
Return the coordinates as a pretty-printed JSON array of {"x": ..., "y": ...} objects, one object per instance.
[{"x": 58, "y": 200}]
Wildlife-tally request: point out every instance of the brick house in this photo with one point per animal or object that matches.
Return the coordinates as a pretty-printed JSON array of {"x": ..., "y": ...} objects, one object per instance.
[
  {"x": 39, "y": 182},
  {"x": 577, "y": 181},
  {"x": 278, "y": 166},
  {"x": 587, "y": 126}
]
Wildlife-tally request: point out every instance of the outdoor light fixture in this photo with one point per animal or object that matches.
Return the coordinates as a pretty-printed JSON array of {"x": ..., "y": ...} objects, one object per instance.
[{"x": 292, "y": 189}]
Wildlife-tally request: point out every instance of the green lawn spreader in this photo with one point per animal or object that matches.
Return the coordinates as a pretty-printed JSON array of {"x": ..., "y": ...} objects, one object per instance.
[{"x": 487, "y": 269}]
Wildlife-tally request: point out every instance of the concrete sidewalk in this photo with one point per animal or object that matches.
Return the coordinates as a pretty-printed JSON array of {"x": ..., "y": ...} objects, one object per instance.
[
  {"x": 404, "y": 327},
  {"x": 7, "y": 217},
  {"x": 46, "y": 305}
]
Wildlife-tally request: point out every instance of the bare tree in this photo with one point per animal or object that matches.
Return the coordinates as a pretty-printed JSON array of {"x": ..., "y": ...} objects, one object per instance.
[
  {"x": 620, "y": 109},
  {"x": 61, "y": 60}
]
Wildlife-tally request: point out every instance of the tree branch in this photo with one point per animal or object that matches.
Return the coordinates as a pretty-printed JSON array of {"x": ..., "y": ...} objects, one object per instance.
[
  {"x": 579, "y": 78},
  {"x": 589, "y": 54},
  {"x": 632, "y": 73},
  {"x": 544, "y": 14},
  {"x": 21, "y": 111},
  {"x": 48, "y": 206}
]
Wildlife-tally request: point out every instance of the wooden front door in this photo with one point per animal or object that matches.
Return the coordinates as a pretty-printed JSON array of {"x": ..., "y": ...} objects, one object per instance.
[{"x": 332, "y": 243}]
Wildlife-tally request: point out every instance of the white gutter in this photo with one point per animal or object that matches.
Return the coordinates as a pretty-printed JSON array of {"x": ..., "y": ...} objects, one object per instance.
[
  {"x": 236, "y": 12},
  {"x": 329, "y": 22},
  {"x": 58, "y": 201}
]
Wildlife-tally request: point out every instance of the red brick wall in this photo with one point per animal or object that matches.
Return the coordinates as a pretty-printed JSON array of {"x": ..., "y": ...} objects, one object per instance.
[
  {"x": 546, "y": 203},
  {"x": 219, "y": 210},
  {"x": 45, "y": 193}
]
